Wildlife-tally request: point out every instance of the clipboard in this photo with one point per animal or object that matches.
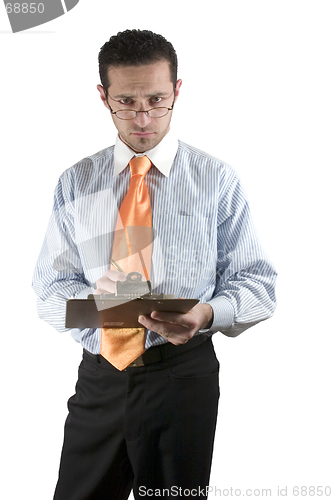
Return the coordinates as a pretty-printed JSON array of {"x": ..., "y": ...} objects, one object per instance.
[{"x": 119, "y": 313}]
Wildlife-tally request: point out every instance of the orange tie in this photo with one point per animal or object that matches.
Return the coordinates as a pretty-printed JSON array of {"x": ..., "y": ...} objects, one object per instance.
[{"x": 132, "y": 249}]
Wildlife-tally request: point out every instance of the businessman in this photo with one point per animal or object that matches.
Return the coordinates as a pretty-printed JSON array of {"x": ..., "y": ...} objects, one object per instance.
[{"x": 144, "y": 413}]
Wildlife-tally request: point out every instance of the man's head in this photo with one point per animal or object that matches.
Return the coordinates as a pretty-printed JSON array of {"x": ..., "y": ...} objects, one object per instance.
[
  {"x": 138, "y": 71},
  {"x": 136, "y": 48}
]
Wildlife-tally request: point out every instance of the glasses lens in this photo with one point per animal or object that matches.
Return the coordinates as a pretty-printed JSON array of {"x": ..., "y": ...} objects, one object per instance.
[
  {"x": 126, "y": 114},
  {"x": 158, "y": 112},
  {"x": 130, "y": 114}
]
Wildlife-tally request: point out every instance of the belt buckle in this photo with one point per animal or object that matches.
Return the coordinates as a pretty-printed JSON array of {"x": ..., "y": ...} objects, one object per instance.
[{"x": 137, "y": 362}]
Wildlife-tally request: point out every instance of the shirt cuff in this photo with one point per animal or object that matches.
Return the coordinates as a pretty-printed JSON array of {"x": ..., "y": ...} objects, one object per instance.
[{"x": 224, "y": 315}]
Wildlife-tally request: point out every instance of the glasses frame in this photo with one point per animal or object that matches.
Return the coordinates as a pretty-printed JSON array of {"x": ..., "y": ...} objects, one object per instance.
[{"x": 137, "y": 112}]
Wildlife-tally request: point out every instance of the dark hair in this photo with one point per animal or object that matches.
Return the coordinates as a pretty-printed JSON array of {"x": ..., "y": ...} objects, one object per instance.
[{"x": 133, "y": 48}]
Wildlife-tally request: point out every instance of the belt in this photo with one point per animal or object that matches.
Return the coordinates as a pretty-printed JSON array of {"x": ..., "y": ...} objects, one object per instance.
[{"x": 161, "y": 352}]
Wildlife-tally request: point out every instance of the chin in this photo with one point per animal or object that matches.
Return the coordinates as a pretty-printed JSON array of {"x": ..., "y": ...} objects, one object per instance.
[{"x": 143, "y": 144}]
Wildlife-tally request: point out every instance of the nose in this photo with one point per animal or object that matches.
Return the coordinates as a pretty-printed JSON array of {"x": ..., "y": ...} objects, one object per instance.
[{"x": 142, "y": 119}]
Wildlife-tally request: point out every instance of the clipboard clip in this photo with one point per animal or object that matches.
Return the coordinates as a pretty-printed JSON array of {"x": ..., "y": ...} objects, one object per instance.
[
  {"x": 132, "y": 288},
  {"x": 133, "y": 285}
]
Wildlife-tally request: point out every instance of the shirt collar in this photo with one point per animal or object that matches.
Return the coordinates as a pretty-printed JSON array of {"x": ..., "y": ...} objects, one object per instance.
[{"x": 161, "y": 156}]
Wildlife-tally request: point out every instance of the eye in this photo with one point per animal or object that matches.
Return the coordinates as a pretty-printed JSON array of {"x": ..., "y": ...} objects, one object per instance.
[
  {"x": 155, "y": 100},
  {"x": 126, "y": 100}
]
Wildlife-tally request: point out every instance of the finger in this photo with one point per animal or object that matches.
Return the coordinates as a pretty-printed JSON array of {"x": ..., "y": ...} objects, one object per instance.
[
  {"x": 115, "y": 275},
  {"x": 106, "y": 285},
  {"x": 164, "y": 329},
  {"x": 175, "y": 334},
  {"x": 184, "y": 319},
  {"x": 176, "y": 340}
]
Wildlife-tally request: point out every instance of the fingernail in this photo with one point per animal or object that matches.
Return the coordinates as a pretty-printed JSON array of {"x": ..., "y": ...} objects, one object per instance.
[{"x": 141, "y": 319}]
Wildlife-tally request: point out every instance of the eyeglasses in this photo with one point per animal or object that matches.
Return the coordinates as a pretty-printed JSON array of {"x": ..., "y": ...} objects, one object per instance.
[{"x": 130, "y": 114}]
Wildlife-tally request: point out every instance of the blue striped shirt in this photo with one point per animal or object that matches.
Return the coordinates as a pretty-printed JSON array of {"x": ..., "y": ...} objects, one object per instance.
[{"x": 205, "y": 244}]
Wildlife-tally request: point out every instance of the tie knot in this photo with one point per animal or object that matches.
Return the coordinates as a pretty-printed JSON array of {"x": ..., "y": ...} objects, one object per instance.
[{"x": 140, "y": 165}]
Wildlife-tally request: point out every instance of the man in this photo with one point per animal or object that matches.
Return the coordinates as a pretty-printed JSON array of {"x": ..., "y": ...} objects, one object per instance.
[{"x": 151, "y": 425}]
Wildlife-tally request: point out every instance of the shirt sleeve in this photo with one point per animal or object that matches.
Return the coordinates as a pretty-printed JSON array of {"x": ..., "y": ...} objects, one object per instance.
[
  {"x": 58, "y": 275},
  {"x": 245, "y": 278}
]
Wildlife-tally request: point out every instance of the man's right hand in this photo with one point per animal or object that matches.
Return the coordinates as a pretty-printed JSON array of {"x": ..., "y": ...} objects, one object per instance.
[{"x": 107, "y": 283}]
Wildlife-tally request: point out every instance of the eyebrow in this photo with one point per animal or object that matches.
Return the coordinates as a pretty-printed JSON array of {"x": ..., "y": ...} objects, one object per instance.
[{"x": 131, "y": 96}]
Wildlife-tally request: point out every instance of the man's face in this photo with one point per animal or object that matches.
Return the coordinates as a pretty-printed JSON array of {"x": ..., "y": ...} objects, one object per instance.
[{"x": 141, "y": 88}]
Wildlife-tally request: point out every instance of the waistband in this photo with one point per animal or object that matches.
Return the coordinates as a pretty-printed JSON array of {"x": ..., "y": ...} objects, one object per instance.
[{"x": 161, "y": 352}]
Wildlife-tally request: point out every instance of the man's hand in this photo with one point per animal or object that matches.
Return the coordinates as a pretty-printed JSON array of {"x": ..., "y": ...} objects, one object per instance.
[
  {"x": 107, "y": 283},
  {"x": 178, "y": 328}
]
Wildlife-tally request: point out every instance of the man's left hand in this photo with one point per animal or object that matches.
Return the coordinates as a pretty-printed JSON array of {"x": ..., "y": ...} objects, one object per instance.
[{"x": 178, "y": 328}]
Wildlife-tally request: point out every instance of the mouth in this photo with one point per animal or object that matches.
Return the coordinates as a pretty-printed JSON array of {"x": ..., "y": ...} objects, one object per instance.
[{"x": 142, "y": 134}]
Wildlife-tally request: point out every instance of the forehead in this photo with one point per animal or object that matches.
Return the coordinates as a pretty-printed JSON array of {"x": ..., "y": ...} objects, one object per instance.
[{"x": 149, "y": 78}]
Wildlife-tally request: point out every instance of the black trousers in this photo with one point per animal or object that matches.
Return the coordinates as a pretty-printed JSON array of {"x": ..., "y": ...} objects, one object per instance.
[{"x": 150, "y": 429}]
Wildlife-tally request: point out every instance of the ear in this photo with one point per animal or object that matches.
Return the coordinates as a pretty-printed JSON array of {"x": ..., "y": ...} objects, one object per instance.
[
  {"x": 178, "y": 85},
  {"x": 102, "y": 96}
]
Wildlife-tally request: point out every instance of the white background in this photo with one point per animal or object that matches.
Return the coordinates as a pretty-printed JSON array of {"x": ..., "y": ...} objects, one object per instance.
[{"x": 257, "y": 93}]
